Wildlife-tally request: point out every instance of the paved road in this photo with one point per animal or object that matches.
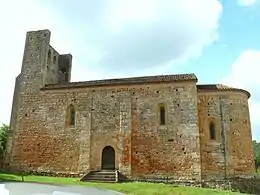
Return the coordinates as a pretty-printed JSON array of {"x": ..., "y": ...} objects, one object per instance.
[{"x": 24, "y": 188}]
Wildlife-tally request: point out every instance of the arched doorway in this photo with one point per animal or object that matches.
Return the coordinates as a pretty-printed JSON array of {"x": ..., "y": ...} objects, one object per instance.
[{"x": 108, "y": 158}]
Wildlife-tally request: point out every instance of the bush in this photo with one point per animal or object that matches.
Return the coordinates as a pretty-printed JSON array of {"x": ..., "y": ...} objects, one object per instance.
[
  {"x": 4, "y": 130},
  {"x": 246, "y": 185}
]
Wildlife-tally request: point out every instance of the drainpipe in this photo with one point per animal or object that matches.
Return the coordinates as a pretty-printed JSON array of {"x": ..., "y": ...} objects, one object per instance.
[{"x": 223, "y": 134}]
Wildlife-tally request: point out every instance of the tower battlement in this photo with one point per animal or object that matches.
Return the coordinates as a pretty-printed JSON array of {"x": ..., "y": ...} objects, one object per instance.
[{"x": 41, "y": 60}]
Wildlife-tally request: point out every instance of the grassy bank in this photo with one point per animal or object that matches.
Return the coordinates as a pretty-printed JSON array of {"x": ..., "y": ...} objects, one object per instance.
[{"x": 134, "y": 188}]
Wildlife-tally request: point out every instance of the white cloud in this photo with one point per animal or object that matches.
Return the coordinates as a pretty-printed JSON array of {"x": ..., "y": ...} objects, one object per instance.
[
  {"x": 17, "y": 17},
  {"x": 153, "y": 33},
  {"x": 246, "y": 2},
  {"x": 104, "y": 37},
  {"x": 130, "y": 36},
  {"x": 245, "y": 75}
]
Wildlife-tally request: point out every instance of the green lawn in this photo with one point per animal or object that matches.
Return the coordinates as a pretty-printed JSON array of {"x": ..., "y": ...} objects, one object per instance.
[{"x": 133, "y": 188}]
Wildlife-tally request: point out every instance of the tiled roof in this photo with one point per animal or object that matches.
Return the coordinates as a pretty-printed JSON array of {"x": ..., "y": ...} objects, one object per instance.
[
  {"x": 220, "y": 87},
  {"x": 127, "y": 81}
]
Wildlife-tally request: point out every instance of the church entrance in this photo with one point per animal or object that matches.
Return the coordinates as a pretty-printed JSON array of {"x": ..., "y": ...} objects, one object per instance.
[{"x": 108, "y": 158}]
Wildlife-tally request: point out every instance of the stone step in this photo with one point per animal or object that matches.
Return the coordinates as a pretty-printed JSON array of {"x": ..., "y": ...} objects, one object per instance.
[
  {"x": 99, "y": 181},
  {"x": 103, "y": 172},
  {"x": 100, "y": 176}
]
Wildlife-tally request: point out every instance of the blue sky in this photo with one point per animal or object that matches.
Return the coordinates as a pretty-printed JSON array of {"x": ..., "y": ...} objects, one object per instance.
[
  {"x": 216, "y": 40},
  {"x": 239, "y": 31}
]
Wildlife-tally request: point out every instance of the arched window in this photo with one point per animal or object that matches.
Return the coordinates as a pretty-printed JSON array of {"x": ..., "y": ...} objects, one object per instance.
[
  {"x": 162, "y": 115},
  {"x": 212, "y": 131},
  {"x": 71, "y": 116}
]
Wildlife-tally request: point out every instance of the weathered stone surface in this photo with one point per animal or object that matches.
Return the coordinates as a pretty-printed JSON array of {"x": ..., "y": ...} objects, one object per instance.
[
  {"x": 232, "y": 152},
  {"x": 123, "y": 114}
]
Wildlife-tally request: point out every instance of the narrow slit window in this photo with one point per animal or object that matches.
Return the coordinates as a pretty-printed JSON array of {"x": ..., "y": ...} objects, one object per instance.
[
  {"x": 71, "y": 116},
  {"x": 162, "y": 115},
  {"x": 49, "y": 58},
  {"x": 66, "y": 76},
  {"x": 54, "y": 59},
  {"x": 49, "y": 55},
  {"x": 212, "y": 131}
]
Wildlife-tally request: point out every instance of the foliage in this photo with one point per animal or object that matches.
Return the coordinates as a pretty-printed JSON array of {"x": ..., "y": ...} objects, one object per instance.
[
  {"x": 256, "y": 146},
  {"x": 4, "y": 130},
  {"x": 245, "y": 185}
]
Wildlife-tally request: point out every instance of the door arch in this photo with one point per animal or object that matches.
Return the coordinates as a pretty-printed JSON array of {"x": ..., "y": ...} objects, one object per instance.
[{"x": 108, "y": 158}]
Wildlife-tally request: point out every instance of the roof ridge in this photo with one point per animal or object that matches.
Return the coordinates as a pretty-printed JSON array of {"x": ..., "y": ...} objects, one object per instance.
[
  {"x": 127, "y": 80},
  {"x": 220, "y": 87}
]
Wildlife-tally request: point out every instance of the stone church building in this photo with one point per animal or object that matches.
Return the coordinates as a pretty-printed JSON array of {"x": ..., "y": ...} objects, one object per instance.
[{"x": 144, "y": 127}]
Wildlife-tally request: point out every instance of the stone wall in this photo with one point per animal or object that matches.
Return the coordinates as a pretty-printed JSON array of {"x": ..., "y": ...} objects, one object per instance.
[
  {"x": 231, "y": 152},
  {"x": 213, "y": 158},
  {"x": 58, "y": 67},
  {"x": 26, "y": 93},
  {"x": 111, "y": 126},
  {"x": 34, "y": 143},
  {"x": 240, "y": 147},
  {"x": 171, "y": 149},
  {"x": 128, "y": 120},
  {"x": 51, "y": 75}
]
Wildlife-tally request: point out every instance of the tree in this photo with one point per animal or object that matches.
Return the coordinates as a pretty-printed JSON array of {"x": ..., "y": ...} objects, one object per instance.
[
  {"x": 256, "y": 146},
  {"x": 4, "y": 130}
]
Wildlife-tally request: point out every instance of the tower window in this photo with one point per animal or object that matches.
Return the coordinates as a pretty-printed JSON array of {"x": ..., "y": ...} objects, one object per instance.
[
  {"x": 49, "y": 54},
  {"x": 54, "y": 60},
  {"x": 71, "y": 116},
  {"x": 66, "y": 76},
  {"x": 212, "y": 131},
  {"x": 162, "y": 115}
]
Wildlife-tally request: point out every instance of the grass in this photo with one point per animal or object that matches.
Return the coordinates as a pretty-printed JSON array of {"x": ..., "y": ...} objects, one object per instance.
[{"x": 133, "y": 188}]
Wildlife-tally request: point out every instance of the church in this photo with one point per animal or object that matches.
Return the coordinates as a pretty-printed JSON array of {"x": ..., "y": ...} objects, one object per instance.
[{"x": 149, "y": 127}]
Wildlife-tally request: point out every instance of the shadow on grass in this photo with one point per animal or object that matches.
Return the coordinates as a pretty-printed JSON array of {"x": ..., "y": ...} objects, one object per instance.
[{"x": 7, "y": 177}]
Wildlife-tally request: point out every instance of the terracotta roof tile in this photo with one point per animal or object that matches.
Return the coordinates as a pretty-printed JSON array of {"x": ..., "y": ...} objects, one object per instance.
[
  {"x": 220, "y": 87},
  {"x": 126, "y": 81}
]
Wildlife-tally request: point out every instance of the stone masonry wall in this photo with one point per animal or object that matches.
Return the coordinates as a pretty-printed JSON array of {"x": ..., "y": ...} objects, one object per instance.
[
  {"x": 127, "y": 120},
  {"x": 232, "y": 149},
  {"x": 45, "y": 144},
  {"x": 143, "y": 148},
  {"x": 110, "y": 126},
  {"x": 165, "y": 150},
  {"x": 240, "y": 147},
  {"x": 51, "y": 75},
  {"x": 13, "y": 119},
  {"x": 213, "y": 158},
  {"x": 41, "y": 141},
  {"x": 35, "y": 143},
  {"x": 27, "y": 91}
]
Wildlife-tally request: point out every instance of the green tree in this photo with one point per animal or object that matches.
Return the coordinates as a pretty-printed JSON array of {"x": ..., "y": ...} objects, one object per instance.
[
  {"x": 256, "y": 146},
  {"x": 4, "y": 130}
]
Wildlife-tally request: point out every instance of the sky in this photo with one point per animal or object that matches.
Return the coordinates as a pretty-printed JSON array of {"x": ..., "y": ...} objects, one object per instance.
[{"x": 218, "y": 40}]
